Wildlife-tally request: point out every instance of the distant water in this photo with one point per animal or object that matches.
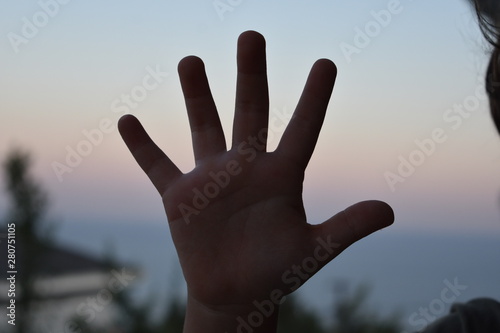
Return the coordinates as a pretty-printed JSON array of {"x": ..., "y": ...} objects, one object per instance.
[{"x": 406, "y": 272}]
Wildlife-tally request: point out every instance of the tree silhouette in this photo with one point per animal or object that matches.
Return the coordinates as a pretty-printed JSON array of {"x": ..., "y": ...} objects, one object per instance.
[
  {"x": 351, "y": 315},
  {"x": 28, "y": 207},
  {"x": 294, "y": 318},
  {"x": 174, "y": 318}
]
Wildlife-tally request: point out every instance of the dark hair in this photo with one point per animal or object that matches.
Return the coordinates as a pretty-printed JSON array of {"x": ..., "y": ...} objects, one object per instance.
[{"x": 488, "y": 14}]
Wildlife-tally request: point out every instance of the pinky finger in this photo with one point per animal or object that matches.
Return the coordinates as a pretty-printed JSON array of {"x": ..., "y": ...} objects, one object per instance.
[{"x": 157, "y": 166}]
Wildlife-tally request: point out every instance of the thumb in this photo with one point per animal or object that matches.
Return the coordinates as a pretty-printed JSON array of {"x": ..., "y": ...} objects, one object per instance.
[{"x": 354, "y": 223}]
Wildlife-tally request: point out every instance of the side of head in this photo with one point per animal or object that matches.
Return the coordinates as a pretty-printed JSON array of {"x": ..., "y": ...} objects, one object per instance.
[{"x": 488, "y": 14}]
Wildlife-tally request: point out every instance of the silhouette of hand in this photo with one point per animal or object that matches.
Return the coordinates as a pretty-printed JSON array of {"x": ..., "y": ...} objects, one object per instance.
[{"x": 237, "y": 219}]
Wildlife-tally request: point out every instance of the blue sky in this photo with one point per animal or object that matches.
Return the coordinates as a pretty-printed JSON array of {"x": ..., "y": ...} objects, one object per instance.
[{"x": 415, "y": 69}]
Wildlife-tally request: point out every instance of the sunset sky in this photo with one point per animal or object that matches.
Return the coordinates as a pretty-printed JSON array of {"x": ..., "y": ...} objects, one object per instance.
[{"x": 409, "y": 91}]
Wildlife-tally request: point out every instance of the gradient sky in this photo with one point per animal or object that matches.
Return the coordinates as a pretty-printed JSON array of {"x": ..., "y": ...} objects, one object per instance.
[{"x": 402, "y": 85}]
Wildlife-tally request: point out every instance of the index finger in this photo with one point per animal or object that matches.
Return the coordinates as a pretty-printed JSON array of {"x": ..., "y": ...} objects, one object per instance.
[{"x": 299, "y": 139}]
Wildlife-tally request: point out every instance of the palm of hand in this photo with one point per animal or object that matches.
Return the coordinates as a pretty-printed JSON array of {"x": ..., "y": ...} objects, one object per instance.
[
  {"x": 244, "y": 237},
  {"x": 237, "y": 219}
]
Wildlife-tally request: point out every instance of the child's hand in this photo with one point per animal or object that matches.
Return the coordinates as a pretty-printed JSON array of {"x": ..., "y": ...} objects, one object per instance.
[{"x": 237, "y": 219}]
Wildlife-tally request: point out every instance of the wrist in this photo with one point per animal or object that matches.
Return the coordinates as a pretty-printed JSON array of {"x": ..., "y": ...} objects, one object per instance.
[{"x": 246, "y": 318}]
